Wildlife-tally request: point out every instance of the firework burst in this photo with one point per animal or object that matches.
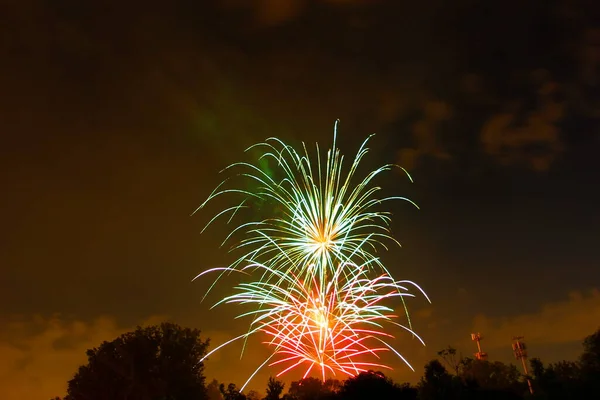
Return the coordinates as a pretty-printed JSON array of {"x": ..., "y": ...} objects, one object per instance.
[
  {"x": 330, "y": 329},
  {"x": 324, "y": 217},
  {"x": 320, "y": 288}
]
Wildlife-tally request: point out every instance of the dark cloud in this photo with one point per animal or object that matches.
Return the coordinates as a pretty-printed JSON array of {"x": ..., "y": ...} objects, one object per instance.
[
  {"x": 276, "y": 12},
  {"x": 187, "y": 68}
]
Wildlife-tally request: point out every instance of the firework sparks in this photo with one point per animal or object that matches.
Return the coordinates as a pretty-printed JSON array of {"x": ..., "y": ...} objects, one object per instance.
[
  {"x": 330, "y": 328},
  {"x": 320, "y": 295},
  {"x": 324, "y": 217}
]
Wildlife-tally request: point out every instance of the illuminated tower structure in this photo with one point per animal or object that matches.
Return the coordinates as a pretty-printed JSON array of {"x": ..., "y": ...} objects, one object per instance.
[
  {"x": 520, "y": 350},
  {"x": 480, "y": 355}
]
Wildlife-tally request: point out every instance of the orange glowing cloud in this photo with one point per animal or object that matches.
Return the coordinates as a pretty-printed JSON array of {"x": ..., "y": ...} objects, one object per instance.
[
  {"x": 561, "y": 322},
  {"x": 40, "y": 355}
]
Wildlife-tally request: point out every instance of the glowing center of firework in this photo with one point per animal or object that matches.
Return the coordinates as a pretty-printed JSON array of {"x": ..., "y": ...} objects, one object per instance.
[
  {"x": 323, "y": 241},
  {"x": 320, "y": 317}
]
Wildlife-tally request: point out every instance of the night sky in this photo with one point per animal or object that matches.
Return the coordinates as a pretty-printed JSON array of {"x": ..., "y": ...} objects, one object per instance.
[{"x": 116, "y": 118}]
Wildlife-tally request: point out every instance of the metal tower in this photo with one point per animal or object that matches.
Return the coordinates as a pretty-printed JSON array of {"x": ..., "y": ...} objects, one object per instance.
[
  {"x": 520, "y": 350},
  {"x": 480, "y": 355}
]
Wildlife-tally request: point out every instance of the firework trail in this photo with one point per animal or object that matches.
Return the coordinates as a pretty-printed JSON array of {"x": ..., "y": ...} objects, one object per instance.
[{"x": 321, "y": 286}]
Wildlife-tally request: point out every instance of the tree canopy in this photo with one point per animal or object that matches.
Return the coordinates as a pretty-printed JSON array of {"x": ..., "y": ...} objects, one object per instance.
[
  {"x": 274, "y": 389},
  {"x": 151, "y": 363}
]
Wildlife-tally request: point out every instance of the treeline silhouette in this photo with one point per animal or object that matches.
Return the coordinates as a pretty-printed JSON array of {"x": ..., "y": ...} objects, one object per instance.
[{"x": 163, "y": 363}]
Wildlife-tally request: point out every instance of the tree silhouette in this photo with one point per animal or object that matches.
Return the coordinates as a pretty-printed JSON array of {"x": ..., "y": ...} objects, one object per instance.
[
  {"x": 556, "y": 381},
  {"x": 568, "y": 379},
  {"x": 156, "y": 362},
  {"x": 162, "y": 363},
  {"x": 451, "y": 359},
  {"x": 231, "y": 392},
  {"x": 590, "y": 359},
  {"x": 537, "y": 368},
  {"x": 492, "y": 375},
  {"x": 309, "y": 389},
  {"x": 437, "y": 383},
  {"x": 253, "y": 395},
  {"x": 590, "y": 364},
  {"x": 332, "y": 385},
  {"x": 274, "y": 389},
  {"x": 375, "y": 385},
  {"x": 212, "y": 391}
]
